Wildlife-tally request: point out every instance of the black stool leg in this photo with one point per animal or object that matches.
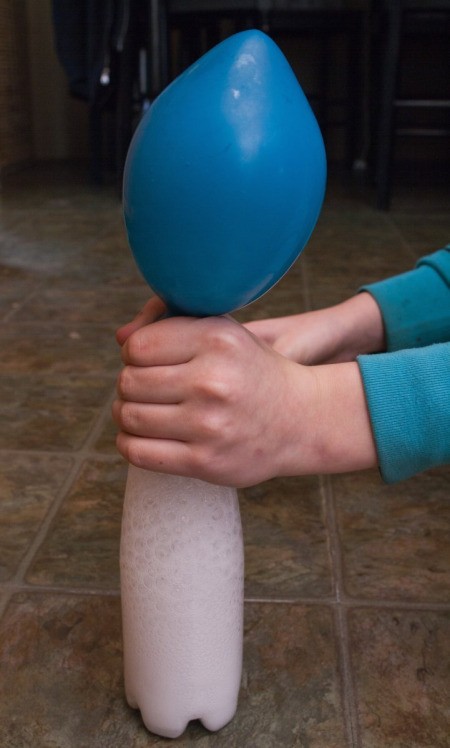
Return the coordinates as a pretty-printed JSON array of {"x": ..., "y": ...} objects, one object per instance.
[
  {"x": 353, "y": 135},
  {"x": 124, "y": 104}
]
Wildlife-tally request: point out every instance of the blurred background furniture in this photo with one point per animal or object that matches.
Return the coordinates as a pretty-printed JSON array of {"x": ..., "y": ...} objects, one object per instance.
[
  {"x": 414, "y": 85},
  {"x": 332, "y": 31},
  {"x": 337, "y": 31},
  {"x": 95, "y": 42},
  {"x": 129, "y": 50},
  {"x": 376, "y": 72}
]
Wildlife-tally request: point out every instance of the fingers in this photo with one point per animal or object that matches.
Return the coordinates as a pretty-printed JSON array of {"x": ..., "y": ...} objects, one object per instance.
[
  {"x": 171, "y": 341},
  {"x": 165, "y": 343},
  {"x": 158, "y": 384},
  {"x": 150, "y": 421},
  {"x": 159, "y": 455},
  {"x": 153, "y": 310}
]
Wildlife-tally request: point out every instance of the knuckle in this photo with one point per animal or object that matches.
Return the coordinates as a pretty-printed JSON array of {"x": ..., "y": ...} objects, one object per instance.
[
  {"x": 131, "y": 449},
  {"x": 210, "y": 425},
  {"x": 208, "y": 464},
  {"x": 123, "y": 382},
  {"x": 200, "y": 462},
  {"x": 133, "y": 348},
  {"x": 134, "y": 453},
  {"x": 215, "y": 386},
  {"x": 223, "y": 335},
  {"x": 197, "y": 461},
  {"x": 128, "y": 417}
]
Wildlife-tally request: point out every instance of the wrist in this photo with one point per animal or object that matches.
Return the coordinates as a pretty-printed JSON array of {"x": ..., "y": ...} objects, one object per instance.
[
  {"x": 329, "y": 425},
  {"x": 344, "y": 439},
  {"x": 360, "y": 327}
]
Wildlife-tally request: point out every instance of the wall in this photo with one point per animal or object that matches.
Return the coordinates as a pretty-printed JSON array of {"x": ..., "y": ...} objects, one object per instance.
[
  {"x": 39, "y": 120},
  {"x": 15, "y": 120},
  {"x": 59, "y": 121}
]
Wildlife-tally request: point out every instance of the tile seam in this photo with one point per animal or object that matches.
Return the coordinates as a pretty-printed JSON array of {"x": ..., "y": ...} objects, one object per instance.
[
  {"x": 348, "y": 690},
  {"x": 14, "y": 586},
  {"x": 79, "y": 458},
  {"x": 99, "y": 423},
  {"x": 45, "y": 525},
  {"x": 107, "y": 457}
]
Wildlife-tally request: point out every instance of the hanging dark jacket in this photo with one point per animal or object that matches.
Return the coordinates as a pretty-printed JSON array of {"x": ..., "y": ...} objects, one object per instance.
[{"x": 86, "y": 33}]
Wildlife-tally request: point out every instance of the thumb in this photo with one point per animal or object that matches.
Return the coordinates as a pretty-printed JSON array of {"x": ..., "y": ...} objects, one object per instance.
[{"x": 152, "y": 311}]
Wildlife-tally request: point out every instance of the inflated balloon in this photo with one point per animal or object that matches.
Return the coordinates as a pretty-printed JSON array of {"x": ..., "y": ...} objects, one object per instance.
[
  {"x": 223, "y": 184},
  {"x": 224, "y": 179}
]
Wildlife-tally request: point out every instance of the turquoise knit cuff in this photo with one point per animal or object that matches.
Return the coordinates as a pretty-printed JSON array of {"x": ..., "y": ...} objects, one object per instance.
[
  {"x": 416, "y": 305},
  {"x": 408, "y": 396}
]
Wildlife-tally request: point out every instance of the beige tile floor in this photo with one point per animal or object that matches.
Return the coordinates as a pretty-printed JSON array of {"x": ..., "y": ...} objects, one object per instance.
[{"x": 347, "y": 636}]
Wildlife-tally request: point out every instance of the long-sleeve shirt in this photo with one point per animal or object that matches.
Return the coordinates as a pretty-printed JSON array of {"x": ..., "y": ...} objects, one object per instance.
[{"x": 408, "y": 387}]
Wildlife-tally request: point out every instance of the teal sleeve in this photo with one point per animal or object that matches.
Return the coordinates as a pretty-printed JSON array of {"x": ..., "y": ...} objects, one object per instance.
[
  {"x": 408, "y": 396},
  {"x": 416, "y": 305}
]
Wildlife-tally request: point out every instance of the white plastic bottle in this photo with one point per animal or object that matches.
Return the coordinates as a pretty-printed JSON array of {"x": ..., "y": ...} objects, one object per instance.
[{"x": 182, "y": 566}]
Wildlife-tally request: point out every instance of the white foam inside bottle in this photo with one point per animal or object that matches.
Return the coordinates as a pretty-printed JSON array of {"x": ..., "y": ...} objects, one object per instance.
[{"x": 182, "y": 566}]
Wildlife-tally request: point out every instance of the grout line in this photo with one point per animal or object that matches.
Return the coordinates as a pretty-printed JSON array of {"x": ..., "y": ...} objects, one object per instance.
[
  {"x": 17, "y": 581},
  {"x": 348, "y": 689},
  {"x": 333, "y": 536},
  {"x": 62, "y": 324},
  {"x": 313, "y": 601},
  {"x": 354, "y": 604},
  {"x": 87, "y": 449},
  {"x": 332, "y": 539},
  {"x": 99, "y": 424},
  {"x": 46, "y": 523},
  {"x": 79, "y": 457},
  {"x": 15, "y": 586},
  {"x": 36, "y": 589},
  {"x": 349, "y": 701},
  {"x": 78, "y": 460},
  {"x": 106, "y": 456}
]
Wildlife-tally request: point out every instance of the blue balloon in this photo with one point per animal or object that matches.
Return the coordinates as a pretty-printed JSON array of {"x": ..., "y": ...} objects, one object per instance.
[{"x": 224, "y": 179}]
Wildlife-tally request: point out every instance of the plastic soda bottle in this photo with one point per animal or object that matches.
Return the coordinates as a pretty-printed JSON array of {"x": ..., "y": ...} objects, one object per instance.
[{"x": 182, "y": 569}]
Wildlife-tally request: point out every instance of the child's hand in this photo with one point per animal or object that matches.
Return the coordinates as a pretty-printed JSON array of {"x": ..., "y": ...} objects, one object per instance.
[
  {"x": 332, "y": 335},
  {"x": 207, "y": 399},
  {"x": 203, "y": 397}
]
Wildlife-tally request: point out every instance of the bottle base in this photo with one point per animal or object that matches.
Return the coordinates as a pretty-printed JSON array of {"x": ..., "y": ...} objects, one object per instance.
[{"x": 174, "y": 728}]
